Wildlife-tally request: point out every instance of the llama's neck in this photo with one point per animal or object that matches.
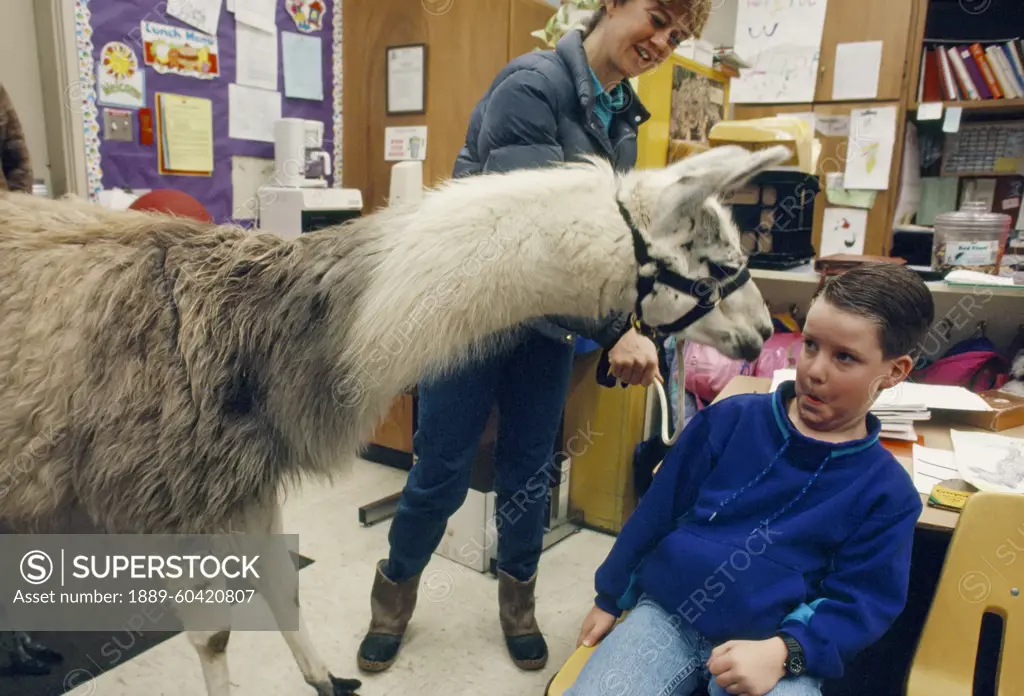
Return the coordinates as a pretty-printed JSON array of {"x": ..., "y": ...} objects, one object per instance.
[{"x": 460, "y": 269}]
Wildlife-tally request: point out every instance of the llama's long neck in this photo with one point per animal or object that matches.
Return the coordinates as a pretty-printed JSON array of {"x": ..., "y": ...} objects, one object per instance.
[{"x": 464, "y": 267}]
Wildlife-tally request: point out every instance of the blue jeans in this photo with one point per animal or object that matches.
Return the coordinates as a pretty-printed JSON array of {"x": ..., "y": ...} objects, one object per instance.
[
  {"x": 649, "y": 654},
  {"x": 529, "y": 382}
]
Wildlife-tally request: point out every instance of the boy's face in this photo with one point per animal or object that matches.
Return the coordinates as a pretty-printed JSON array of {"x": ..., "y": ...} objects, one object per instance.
[{"x": 841, "y": 368}]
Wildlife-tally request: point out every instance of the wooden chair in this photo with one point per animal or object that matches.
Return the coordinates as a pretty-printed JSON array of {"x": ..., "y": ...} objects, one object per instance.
[
  {"x": 567, "y": 676},
  {"x": 983, "y": 572}
]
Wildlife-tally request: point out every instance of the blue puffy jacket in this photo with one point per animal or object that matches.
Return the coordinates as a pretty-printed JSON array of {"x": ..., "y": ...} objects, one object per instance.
[{"x": 540, "y": 110}]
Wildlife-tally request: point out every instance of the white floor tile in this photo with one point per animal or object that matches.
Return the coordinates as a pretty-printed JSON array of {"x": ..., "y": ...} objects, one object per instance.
[{"x": 453, "y": 646}]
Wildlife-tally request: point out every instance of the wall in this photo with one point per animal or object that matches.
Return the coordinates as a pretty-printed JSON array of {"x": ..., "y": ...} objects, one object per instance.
[
  {"x": 467, "y": 45},
  {"x": 20, "y": 75}
]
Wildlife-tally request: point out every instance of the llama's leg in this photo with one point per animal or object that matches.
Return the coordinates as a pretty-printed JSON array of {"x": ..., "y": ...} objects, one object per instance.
[
  {"x": 211, "y": 647},
  {"x": 280, "y": 589}
]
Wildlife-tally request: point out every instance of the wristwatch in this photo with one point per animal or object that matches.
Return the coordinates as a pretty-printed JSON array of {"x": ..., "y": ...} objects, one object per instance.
[{"x": 795, "y": 663}]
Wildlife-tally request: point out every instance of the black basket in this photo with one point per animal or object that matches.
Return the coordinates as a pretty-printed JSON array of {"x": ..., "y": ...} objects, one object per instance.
[{"x": 775, "y": 215}]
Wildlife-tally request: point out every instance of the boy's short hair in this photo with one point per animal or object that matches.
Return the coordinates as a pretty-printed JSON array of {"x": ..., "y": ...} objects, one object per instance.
[{"x": 891, "y": 295}]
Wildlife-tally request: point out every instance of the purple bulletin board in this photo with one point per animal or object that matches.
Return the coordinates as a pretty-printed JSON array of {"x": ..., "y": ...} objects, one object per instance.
[{"x": 117, "y": 164}]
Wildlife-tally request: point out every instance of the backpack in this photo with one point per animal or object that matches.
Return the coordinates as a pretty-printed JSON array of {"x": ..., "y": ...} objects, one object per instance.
[
  {"x": 706, "y": 371},
  {"x": 780, "y": 352},
  {"x": 973, "y": 363}
]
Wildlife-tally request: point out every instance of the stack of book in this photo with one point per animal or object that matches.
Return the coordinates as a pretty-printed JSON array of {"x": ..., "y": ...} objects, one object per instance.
[
  {"x": 972, "y": 72},
  {"x": 898, "y": 420}
]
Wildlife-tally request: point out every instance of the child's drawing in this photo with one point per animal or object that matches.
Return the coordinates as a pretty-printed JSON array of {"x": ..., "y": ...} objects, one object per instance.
[{"x": 990, "y": 462}]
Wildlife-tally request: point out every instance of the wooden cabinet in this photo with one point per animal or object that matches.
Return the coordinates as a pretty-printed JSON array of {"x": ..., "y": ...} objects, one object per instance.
[{"x": 888, "y": 21}]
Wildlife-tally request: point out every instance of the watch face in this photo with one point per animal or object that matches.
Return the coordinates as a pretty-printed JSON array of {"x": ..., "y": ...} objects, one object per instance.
[{"x": 796, "y": 665}]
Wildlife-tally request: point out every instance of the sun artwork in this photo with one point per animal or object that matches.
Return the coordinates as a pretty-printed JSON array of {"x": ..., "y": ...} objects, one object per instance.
[{"x": 119, "y": 62}]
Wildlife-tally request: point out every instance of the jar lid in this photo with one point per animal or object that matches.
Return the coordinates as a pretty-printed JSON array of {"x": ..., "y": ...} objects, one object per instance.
[{"x": 974, "y": 214}]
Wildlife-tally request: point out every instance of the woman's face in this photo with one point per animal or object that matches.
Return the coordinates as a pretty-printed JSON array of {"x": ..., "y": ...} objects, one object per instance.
[{"x": 642, "y": 34}]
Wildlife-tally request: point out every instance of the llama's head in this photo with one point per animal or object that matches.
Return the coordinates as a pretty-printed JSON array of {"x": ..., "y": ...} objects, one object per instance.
[{"x": 692, "y": 278}]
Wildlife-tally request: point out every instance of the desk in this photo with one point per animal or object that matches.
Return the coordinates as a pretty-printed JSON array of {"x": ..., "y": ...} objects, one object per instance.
[{"x": 934, "y": 431}]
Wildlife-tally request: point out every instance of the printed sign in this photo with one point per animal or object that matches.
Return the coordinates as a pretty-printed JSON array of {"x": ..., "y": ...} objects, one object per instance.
[
  {"x": 120, "y": 82},
  {"x": 308, "y": 14},
  {"x": 180, "y": 51},
  {"x": 405, "y": 143}
]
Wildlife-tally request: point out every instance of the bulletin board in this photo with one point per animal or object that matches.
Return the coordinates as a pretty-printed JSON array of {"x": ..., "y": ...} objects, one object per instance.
[{"x": 114, "y": 164}]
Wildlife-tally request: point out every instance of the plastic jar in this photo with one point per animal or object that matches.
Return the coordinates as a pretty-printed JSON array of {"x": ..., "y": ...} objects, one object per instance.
[{"x": 971, "y": 238}]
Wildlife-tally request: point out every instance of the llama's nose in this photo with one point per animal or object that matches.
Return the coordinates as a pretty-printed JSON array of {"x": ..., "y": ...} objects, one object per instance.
[
  {"x": 751, "y": 350},
  {"x": 766, "y": 332}
]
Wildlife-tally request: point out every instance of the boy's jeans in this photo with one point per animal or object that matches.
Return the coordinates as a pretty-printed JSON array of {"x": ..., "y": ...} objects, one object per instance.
[
  {"x": 647, "y": 654},
  {"x": 529, "y": 383}
]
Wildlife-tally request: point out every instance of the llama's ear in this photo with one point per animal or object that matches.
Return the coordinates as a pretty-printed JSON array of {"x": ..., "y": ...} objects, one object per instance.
[{"x": 719, "y": 170}]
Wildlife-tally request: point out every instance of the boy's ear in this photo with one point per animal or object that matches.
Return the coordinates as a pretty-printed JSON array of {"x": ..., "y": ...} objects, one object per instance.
[{"x": 899, "y": 370}]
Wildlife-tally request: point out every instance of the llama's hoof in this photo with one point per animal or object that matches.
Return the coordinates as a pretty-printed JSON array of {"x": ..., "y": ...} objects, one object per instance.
[
  {"x": 26, "y": 666},
  {"x": 345, "y": 687}
]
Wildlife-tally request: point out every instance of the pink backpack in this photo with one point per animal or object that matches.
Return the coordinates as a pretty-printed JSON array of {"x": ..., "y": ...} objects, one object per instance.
[
  {"x": 706, "y": 371},
  {"x": 977, "y": 370},
  {"x": 780, "y": 352}
]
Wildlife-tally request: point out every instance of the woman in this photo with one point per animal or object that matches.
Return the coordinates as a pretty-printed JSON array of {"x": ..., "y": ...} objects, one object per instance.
[{"x": 543, "y": 107}]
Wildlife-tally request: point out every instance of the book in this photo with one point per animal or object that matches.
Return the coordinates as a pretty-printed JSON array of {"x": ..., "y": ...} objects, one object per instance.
[
  {"x": 963, "y": 77},
  {"x": 976, "y": 77},
  {"x": 949, "y": 87},
  {"x": 932, "y": 78},
  {"x": 978, "y": 53},
  {"x": 997, "y": 59},
  {"x": 1013, "y": 51}
]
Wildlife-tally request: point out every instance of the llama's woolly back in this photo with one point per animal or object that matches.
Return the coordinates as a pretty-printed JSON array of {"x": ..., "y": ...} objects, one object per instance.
[{"x": 136, "y": 356}]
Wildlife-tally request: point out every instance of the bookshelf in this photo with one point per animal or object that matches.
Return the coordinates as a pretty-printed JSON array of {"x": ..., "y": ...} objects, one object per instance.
[{"x": 991, "y": 105}]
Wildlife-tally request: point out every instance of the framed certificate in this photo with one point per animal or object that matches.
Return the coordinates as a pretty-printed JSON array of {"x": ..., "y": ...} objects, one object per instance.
[{"x": 406, "y": 79}]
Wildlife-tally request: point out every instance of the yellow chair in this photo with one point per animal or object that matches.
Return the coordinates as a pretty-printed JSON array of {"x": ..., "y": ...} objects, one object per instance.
[
  {"x": 566, "y": 676},
  {"x": 983, "y": 572}
]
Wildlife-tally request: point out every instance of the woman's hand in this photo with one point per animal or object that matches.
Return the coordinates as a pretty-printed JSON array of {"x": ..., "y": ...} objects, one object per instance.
[
  {"x": 595, "y": 627},
  {"x": 634, "y": 359},
  {"x": 749, "y": 667}
]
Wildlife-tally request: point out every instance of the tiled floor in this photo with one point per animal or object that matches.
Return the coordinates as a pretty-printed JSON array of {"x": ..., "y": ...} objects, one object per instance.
[{"x": 454, "y": 644}]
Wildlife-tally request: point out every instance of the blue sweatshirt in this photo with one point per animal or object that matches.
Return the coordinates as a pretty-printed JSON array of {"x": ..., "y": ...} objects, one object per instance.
[{"x": 751, "y": 528}]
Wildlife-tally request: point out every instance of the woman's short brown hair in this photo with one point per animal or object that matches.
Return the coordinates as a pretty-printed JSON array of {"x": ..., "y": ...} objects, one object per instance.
[{"x": 695, "y": 13}]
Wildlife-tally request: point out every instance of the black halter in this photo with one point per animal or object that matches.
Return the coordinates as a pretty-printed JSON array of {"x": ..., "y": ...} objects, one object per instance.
[{"x": 708, "y": 292}]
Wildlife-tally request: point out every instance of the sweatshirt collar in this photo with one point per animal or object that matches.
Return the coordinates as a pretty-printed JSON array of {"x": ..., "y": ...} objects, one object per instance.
[{"x": 787, "y": 391}]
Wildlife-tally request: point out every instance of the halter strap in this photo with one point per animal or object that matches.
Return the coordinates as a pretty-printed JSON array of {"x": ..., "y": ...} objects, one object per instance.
[{"x": 708, "y": 292}]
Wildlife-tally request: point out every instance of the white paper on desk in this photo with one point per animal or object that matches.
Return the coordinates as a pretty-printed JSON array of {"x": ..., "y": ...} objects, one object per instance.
[
  {"x": 869, "y": 149},
  {"x": 909, "y": 395},
  {"x": 931, "y": 466},
  {"x": 303, "y": 66},
  {"x": 257, "y": 13},
  {"x": 842, "y": 231},
  {"x": 256, "y": 57},
  {"x": 252, "y": 113},
  {"x": 858, "y": 66},
  {"x": 989, "y": 462},
  {"x": 204, "y": 15}
]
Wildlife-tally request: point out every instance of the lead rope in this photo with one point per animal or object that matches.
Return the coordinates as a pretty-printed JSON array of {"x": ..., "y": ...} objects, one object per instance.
[{"x": 666, "y": 414}]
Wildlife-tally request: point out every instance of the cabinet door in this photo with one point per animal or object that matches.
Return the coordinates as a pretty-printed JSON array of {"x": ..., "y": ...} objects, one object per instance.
[{"x": 849, "y": 21}]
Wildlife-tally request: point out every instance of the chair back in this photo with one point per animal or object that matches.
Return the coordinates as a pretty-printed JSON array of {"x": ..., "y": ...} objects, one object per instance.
[{"x": 983, "y": 572}]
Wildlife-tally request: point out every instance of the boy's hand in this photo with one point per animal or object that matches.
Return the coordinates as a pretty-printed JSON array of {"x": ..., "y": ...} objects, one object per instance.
[
  {"x": 749, "y": 667},
  {"x": 595, "y": 627}
]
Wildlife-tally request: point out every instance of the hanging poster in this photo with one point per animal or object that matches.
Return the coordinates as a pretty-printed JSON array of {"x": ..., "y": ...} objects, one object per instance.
[
  {"x": 307, "y": 14},
  {"x": 120, "y": 82},
  {"x": 180, "y": 51},
  {"x": 782, "y": 43}
]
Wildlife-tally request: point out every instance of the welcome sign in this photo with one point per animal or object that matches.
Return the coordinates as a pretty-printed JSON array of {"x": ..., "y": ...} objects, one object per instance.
[{"x": 180, "y": 51}]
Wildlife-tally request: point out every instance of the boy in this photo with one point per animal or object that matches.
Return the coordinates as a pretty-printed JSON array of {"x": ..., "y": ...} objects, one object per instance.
[{"x": 774, "y": 543}]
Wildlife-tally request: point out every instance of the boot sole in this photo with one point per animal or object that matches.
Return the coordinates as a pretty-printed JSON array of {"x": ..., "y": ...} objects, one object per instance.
[
  {"x": 373, "y": 667},
  {"x": 531, "y": 665}
]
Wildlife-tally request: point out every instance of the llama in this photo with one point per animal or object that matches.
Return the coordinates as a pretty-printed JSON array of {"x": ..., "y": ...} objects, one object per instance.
[{"x": 183, "y": 374}]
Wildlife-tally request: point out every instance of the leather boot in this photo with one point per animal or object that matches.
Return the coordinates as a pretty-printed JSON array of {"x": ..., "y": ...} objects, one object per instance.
[
  {"x": 523, "y": 638},
  {"x": 391, "y": 607}
]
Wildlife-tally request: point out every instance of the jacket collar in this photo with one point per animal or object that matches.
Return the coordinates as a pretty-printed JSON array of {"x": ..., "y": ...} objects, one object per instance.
[
  {"x": 788, "y": 432},
  {"x": 570, "y": 49}
]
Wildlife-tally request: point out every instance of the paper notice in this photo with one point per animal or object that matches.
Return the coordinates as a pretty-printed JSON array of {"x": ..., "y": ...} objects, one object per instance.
[
  {"x": 303, "y": 66},
  {"x": 870, "y": 148},
  {"x": 857, "y": 68},
  {"x": 842, "y": 231},
  {"x": 187, "y": 132},
  {"x": 256, "y": 63},
  {"x": 833, "y": 126},
  {"x": 248, "y": 174},
  {"x": 257, "y": 13},
  {"x": 252, "y": 113},
  {"x": 405, "y": 143},
  {"x": 204, "y": 15}
]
